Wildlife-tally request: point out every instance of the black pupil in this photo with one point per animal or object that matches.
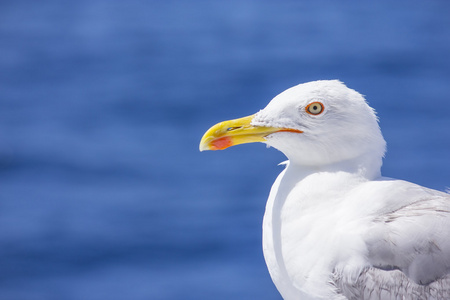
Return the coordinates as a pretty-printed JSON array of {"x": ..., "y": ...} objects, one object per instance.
[{"x": 315, "y": 107}]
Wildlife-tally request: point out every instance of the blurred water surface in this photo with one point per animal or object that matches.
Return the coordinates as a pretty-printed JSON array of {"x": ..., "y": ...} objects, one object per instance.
[{"x": 103, "y": 193}]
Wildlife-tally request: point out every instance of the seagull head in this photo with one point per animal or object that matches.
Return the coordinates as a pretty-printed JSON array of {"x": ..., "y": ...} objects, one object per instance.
[{"x": 314, "y": 124}]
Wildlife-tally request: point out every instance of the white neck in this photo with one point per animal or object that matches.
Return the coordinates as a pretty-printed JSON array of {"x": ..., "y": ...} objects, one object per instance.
[{"x": 365, "y": 166}]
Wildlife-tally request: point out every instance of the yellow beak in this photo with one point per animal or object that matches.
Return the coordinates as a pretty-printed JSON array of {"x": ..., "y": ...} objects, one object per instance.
[{"x": 235, "y": 132}]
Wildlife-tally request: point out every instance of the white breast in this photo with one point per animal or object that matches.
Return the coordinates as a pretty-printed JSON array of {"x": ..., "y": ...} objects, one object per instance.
[{"x": 306, "y": 233}]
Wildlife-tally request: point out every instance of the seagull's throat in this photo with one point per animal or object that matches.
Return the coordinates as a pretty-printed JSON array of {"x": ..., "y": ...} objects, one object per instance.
[{"x": 238, "y": 131}]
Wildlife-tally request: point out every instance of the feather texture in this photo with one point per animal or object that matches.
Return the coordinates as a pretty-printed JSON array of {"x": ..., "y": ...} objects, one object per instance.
[{"x": 377, "y": 284}]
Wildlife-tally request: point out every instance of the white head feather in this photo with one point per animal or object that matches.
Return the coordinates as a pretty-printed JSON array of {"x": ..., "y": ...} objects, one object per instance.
[{"x": 346, "y": 131}]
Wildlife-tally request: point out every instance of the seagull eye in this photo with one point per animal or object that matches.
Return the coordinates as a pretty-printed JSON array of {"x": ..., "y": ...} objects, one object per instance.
[{"x": 315, "y": 108}]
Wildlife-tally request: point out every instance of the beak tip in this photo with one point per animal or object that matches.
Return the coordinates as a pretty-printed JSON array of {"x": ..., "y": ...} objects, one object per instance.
[
  {"x": 220, "y": 137},
  {"x": 203, "y": 147}
]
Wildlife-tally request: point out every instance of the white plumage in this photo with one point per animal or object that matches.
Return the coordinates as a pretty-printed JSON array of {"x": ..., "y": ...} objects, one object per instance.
[{"x": 334, "y": 228}]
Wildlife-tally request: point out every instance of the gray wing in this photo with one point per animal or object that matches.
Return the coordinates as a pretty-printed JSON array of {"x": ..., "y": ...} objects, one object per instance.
[
  {"x": 409, "y": 253},
  {"x": 377, "y": 284}
]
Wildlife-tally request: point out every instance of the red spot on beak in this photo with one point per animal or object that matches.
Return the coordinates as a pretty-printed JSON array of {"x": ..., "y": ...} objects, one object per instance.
[{"x": 221, "y": 143}]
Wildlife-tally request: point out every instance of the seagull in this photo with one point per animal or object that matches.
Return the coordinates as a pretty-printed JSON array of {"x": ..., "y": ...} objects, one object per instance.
[{"x": 333, "y": 227}]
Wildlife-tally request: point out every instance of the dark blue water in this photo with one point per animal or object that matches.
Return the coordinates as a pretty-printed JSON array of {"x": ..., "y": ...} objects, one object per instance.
[{"x": 103, "y": 193}]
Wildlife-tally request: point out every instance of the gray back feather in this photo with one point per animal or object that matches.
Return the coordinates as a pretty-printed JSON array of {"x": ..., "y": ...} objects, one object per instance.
[
  {"x": 377, "y": 284},
  {"x": 409, "y": 249}
]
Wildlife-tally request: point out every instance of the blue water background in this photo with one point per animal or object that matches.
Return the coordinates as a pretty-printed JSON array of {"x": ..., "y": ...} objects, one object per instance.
[{"x": 103, "y": 192}]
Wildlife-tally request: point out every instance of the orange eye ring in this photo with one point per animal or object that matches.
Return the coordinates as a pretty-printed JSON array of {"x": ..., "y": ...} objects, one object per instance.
[{"x": 315, "y": 108}]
